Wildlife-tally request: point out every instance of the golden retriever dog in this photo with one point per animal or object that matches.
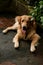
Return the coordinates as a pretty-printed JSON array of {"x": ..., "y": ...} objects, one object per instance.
[{"x": 26, "y": 29}]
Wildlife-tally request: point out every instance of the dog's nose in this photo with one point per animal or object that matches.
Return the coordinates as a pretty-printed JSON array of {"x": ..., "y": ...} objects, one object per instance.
[{"x": 24, "y": 28}]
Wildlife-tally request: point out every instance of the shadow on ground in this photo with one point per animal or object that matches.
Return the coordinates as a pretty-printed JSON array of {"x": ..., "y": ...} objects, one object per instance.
[{"x": 21, "y": 56}]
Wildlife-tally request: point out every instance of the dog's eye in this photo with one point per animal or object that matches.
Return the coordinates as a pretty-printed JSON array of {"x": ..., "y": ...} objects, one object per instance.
[{"x": 22, "y": 20}]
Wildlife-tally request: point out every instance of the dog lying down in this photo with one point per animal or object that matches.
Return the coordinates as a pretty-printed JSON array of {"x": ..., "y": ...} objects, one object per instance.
[{"x": 26, "y": 29}]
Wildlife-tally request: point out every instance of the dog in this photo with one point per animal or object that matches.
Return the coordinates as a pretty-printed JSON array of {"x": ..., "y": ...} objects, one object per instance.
[{"x": 26, "y": 29}]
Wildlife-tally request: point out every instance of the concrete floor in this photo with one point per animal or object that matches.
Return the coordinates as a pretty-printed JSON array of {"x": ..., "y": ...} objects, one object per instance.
[{"x": 21, "y": 56}]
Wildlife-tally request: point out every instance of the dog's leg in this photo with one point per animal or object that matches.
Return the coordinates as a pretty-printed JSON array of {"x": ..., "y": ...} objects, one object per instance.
[
  {"x": 34, "y": 42},
  {"x": 7, "y": 29},
  {"x": 16, "y": 40},
  {"x": 11, "y": 28}
]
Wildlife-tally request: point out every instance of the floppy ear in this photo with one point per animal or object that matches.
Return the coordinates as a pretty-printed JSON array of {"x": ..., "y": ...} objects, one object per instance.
[
  {"x": 33, "y": 22},
  {"x": 18, "y": 19}
]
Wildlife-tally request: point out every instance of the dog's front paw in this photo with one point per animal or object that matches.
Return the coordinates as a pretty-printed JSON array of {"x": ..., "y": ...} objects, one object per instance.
[
  {"x": 16, "y": 44},
  {"x": 32, "y": 49},
  {"x": 4, "y": 31}
]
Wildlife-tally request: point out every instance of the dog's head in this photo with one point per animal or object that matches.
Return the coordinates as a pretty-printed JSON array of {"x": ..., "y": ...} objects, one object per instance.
[{"x": 26, "y": 22}]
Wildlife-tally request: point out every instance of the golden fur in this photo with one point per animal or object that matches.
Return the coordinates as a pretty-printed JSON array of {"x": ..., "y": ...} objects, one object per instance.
[{"x": 26, "y": 29}]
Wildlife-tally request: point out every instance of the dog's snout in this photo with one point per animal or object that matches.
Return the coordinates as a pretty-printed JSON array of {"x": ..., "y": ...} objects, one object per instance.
[{"x": 24, "y": 28}]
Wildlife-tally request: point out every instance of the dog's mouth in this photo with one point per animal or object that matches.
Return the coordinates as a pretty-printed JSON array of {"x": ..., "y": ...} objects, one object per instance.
[{"x": 24, "y": 29}]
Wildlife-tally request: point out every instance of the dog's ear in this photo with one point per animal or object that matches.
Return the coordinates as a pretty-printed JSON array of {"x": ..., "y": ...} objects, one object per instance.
[
  {"x": 33, "y": 22},
  {"x": 18, "y": 19}
]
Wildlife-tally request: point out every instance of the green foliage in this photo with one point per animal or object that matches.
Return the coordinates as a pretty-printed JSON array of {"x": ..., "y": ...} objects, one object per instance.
[{"x": 38, "y": 12}]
